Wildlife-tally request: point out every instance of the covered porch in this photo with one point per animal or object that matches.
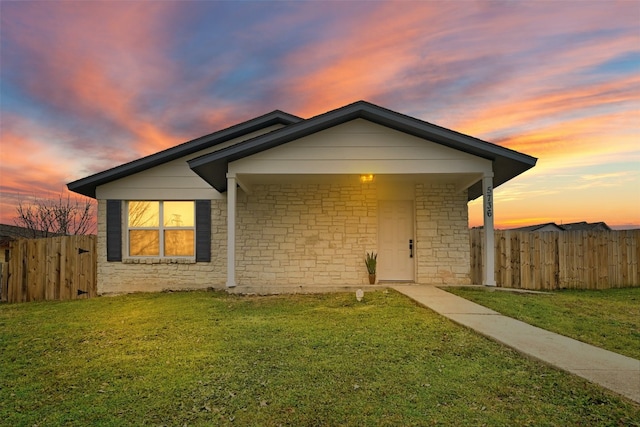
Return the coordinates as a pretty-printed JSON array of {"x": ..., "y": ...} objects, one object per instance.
[
  {"x": 318, "y": 233},
  {"x": 306, "y": 208}
]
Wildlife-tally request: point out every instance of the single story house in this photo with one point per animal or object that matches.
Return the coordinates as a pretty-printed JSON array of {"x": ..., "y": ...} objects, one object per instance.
[{"x": 280, "y": 203}]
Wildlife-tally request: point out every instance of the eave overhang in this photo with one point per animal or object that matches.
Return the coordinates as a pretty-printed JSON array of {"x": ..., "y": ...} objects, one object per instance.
[{"x": 87, "y": 186}]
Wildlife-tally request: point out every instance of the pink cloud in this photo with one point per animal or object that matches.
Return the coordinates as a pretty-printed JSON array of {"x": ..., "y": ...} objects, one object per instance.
[
  {"x": 516, "y": 73},
  {"x": 369, "y": 52},
  {"x": 30, "y": 167},
  {"x": 581, "y": 141},
  {"x": 426, "y": 52},
  {"x": 96, "y": 60}
]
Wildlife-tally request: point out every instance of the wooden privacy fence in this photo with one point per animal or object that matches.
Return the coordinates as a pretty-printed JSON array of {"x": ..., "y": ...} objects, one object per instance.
[
  {"x": 558, "y": 260},
  {"x": 56, "y": 268}
]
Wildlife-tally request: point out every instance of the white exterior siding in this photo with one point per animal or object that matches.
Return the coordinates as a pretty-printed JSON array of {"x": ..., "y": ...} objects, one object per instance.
[{"x": 360, "y": 146}]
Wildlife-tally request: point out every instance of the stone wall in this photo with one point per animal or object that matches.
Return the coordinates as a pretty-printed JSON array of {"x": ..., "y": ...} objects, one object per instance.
[
  {"x": 291, "y": 235},
  {"x": 442, "y": 235},
  {"x": 155, "y": 275},
  {"x": 305, "y": 234}
]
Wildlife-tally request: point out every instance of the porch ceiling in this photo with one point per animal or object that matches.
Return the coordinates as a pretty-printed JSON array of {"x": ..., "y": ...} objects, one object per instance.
[{"x": 461, "y": 181}]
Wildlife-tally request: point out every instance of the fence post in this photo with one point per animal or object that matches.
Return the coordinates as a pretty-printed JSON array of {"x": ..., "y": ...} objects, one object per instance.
[{"x": 4, "y": 281}]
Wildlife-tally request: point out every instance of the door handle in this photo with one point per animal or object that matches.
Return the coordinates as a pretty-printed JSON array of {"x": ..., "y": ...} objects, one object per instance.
[{"x": 410, "y": 248}]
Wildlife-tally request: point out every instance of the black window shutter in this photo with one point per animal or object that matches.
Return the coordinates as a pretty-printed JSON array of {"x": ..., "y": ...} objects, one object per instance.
[
  {"x": 203, "y": 230},
  {"x": 114, "y": 230}
]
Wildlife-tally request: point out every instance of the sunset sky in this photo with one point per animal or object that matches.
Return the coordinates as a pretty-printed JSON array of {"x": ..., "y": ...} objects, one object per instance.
[{"x": 86, "y": 86}]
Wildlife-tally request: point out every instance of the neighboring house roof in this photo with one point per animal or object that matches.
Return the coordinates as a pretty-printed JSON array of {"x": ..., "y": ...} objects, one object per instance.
[
  {"x": 507, "y": 163},
  {"x": 586, "y": 226},
  {"x": 13, "y": 232},
  {"x": 548, "y": 226},
  {"x": 575, "y": 226},
  {"x": 87, "y": 186},
  {"x": 212, "y": 167}
]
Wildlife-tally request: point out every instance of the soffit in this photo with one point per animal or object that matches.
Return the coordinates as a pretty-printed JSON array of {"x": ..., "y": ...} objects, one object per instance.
[{"x": 461, "y": 181}]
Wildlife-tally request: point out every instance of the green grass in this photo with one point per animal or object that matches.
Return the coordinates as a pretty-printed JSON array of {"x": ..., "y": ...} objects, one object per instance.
[
  {"x": 207, "y": 358},
  {"x": 605, "y": 318}
]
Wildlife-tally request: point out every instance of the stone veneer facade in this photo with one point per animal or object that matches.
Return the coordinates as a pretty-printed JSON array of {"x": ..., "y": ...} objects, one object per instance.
[
  {"x": 154, "y": 274},
  {"x": 442, "y": 235},
  {"x": 312, "y": 235}
]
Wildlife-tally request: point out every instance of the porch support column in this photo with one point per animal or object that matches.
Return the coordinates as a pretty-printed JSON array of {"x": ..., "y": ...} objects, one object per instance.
[
  {"x": 488, "y": 259},
  {"x": 231, "y": 230}
]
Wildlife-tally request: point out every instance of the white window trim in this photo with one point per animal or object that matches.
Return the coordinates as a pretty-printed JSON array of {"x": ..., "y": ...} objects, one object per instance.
[{"x": 161, "y": 228}]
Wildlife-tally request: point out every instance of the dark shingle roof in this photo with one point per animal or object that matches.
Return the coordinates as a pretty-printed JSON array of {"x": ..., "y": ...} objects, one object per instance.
[
  {"x": 574, "y": 226},
  {"x": 87, "y": 186},
  {"x": 13, "y": 232},
  {"x": 507, "y": 163},
  {"x": 537, "y": 227},
  {"x": 586, "y": 226},
  {"x": 212, "y": 167}
]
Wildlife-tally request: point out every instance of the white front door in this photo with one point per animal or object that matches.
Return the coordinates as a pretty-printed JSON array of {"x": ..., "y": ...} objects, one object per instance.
[{"x": 396, "y": 242}]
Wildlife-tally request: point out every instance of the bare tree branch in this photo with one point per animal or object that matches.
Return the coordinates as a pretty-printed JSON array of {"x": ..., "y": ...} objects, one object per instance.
[{"x": 46, "y": 217}]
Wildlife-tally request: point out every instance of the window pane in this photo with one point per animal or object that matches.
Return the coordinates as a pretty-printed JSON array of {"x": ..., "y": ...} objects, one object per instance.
[
  {"x": 144, "y": 243},
  {"x": 179, "y": 243},
  {"x": 144, "y": 214},
  {"x": 178, "y": 214}
]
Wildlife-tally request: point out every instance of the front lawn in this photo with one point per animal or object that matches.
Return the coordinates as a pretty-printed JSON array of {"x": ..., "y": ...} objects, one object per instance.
[
  {"x": 605, "y": 318},
  {"x": 207, "y": 358}
]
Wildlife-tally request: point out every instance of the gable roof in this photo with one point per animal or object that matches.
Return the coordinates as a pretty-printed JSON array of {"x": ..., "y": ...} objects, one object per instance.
[
  {"x": 507, "y": 163},
  {"x": 213, "y": 167},
  {"x": 87, "y": 186}
]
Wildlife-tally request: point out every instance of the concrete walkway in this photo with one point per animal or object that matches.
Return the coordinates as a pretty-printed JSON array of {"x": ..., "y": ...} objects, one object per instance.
[{"x": 613, "y": 371}]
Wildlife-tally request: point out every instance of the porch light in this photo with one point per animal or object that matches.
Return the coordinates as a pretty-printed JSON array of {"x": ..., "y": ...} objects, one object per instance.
[{"x": 366, "y": 179}]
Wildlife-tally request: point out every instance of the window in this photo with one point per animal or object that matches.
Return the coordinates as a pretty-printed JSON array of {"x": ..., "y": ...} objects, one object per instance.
[{"x": 161, "y": 229}]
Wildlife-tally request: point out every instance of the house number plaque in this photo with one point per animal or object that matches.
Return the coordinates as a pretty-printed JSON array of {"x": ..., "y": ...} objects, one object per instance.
[{"x": 489, "y": 198}]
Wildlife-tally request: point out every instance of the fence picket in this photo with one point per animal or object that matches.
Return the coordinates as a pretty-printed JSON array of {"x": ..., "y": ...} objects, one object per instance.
[
  {"x": 56, "y": 268},
  {"x": 555, "y": 260},
  {"x": 51, "y": 269}
]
